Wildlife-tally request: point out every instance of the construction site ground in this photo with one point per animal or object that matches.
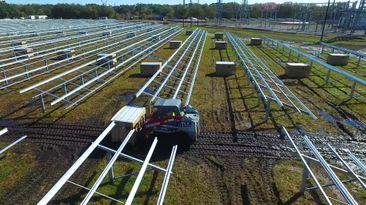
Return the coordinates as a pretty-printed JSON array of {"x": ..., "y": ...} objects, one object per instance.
[{"x": 238, "y": 158}]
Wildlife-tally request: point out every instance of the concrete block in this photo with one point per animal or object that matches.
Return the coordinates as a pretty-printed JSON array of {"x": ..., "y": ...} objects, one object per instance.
[
  {"x": 28, "y": 52},
  {"x": 175, "y": 44},
  {"x": 189, "y": 32},
  {"x": 18, "y": 43},
  {"x": 149, "y": 68},
  {"x": 219, "y": 35},
  {"x": 68, "y": 53},
  {"x": 338, "y": 59},
  {"x": 107, "y": 33},
  {"x": 220, "y": 45},
  {"x": 155, "y": 38},
  {"x": 130, "y": 35},
  {"x": 225, "y": 68},
  {"x": 106, "y": 59},
  {"x": 61, "y": 33},
  {"x": 255, "y": 41},
  {"x": 297, "y": 70}
]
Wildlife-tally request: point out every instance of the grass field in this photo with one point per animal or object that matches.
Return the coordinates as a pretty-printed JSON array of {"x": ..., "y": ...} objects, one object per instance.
[{"x": 225, "y": 104}]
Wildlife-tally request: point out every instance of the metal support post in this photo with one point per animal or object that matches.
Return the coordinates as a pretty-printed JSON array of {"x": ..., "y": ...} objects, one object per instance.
[
  {"x": 268, "y": 107},
  {"x": 4, "y": 74},
  {"x": 353, "y": 89},
  {"x": 328, "y": 76},
  {"x": 42, "y": 103},
  {"x": 111, "y": 170},
  {"x": 65, "y": 88},
  {"x": 26, "y": 70},
  {"x": 289, "y": 56},
  {"x": 358, "y": 62},
  {"x": 305, "y": 176}
]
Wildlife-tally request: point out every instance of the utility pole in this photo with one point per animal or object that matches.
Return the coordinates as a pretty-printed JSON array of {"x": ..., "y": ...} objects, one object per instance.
[
  {"x": 325, "y": 20},
  {"x": 219, "y": 11},
  {"x": 184, "y": 6}
]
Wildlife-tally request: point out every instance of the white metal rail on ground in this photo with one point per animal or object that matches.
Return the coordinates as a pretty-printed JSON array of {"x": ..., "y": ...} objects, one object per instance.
[
  {"x": 267, "y": 84},
  {"x": 357, "y": 161},
  {"x": 349, "y": 199},
  {"x": 4, "y": 131}
]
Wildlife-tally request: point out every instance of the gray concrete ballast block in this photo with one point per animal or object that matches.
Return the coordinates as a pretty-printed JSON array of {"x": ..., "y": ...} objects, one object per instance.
[
  {"x": 297, "y": 70},
  {"x": 255, "y": 41},
  {"x": 225, "y": 68},
  {"x": 337, "y": 59},
  {"x": 148, "y": 69},
  {"x": 220, "y": 45}
]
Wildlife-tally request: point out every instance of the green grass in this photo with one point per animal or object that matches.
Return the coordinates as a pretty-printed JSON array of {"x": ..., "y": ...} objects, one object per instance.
[
  {"x": 288, "y": 176},
  {"x": 188, "y": 184},
  {"x": 14, "y": 168}
]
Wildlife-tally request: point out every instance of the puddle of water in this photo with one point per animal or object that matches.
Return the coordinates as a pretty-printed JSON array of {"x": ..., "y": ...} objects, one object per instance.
[
  {"x": 355, "y": 123},
  {"x": 127, "y": 96},
  {"x": 6, "y": 123},
  {"x": 328, "y": 117}
]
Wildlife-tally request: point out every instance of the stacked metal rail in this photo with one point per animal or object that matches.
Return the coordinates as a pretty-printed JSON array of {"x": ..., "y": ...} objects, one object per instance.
[
  {"x": 329, "y": 169},
  {"x": 267, "y": 84},
  {"x": 176, "y": 77},
  {"x": 114, "y": 155},
  {"x": 83, "y": 80},
  {"x": 280, "y": 45},
  {"x": 357, "y": 54},
  {"x": 4, "y": 131}
]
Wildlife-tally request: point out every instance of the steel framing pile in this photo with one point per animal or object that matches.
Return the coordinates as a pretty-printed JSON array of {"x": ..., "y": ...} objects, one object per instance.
[
  {"x": 264, "y": 81},
  {"x": 329, "y": 170},
  {"x": 357, "y": 54},
  {"x": 313, "y": 59},
  {"x": 84, "y": 72},
  {"x": 4, "y": 131},
  {"x": 176, "y": 77}
]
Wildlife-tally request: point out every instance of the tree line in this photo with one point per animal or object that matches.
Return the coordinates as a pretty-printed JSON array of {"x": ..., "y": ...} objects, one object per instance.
[{"x": 148, "y": 11}]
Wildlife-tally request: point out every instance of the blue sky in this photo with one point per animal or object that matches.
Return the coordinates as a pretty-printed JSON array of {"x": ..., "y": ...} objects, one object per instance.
[{"x": 118, "y": 2}]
